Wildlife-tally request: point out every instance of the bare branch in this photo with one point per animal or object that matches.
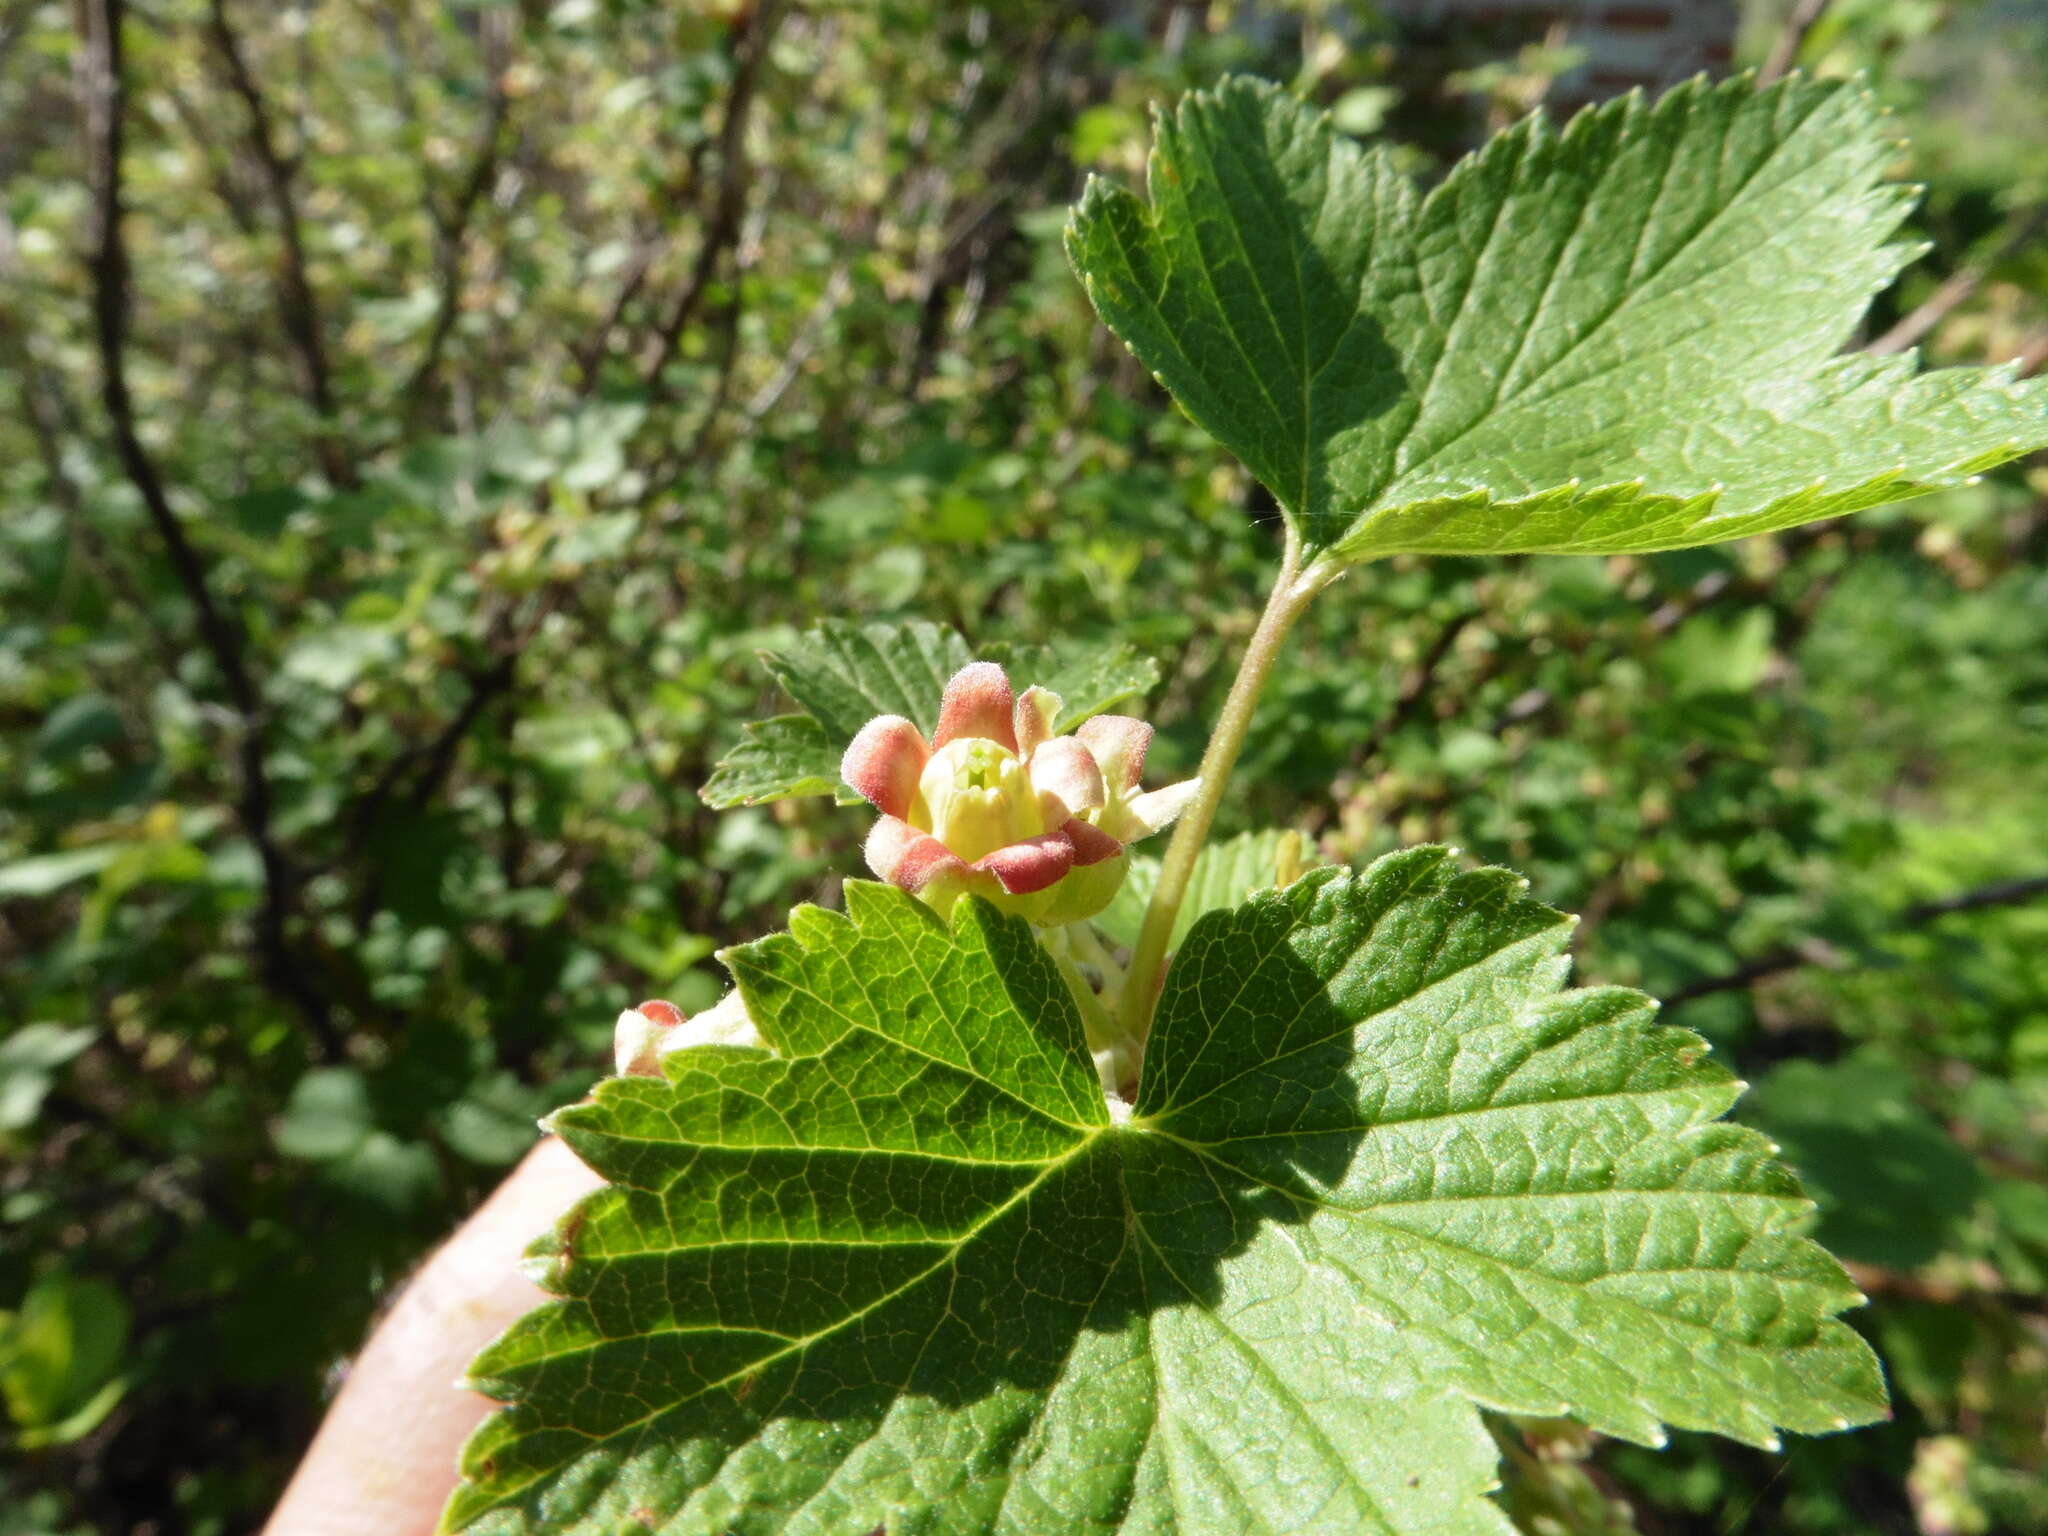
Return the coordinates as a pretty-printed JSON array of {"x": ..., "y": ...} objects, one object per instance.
[
  {"x": 750, "y": 50},
  {"x": 102, "y": 95},
  {"x": 1416, "y": 686},
  {"x": 298, "y": 309},
  {"x": 590, "y": 356},
  {"x": 1790, "y": 39},
  {"x": 2032, "y": 356},
  {"x": 2000, "y": 893},
  {"x": 451, "y": 227},
  {"x": 1966, "y": 280}
]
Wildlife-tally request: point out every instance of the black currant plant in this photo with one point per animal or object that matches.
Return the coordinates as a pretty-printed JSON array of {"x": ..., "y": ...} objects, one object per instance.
[{"x": 1011, "y": 1201}]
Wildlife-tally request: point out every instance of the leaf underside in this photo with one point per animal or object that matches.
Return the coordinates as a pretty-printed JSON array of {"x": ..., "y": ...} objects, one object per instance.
[
  {"x": 842, "y": 675},
  {"x": 905, "y": 1273},
  {"x": 1621, "y": 336}
]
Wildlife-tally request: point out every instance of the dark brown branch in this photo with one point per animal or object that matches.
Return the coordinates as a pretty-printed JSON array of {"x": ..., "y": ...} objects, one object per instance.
[
  {"x": 440, "y": 754},
  {"x": 505, "y": 642},
  {"x": 1790, "y": 39},
  {"x": 1966, "y": 280},
  {"x": 2001, "y": 893},
  {"x": 451, "y": 226},
  {"x": 590, "y": 356},
  {"x": 298, "y": 309},
  {"x": 1416, "y": 686},
  {"x": 220, "y": 168},
  {"x": 430, "y": 762},
  {"x": 102, "y": 94},
  {"x": 750, "y": 50}
]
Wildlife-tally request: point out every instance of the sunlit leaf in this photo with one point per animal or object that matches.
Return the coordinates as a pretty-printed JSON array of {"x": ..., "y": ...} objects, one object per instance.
[
  {"x": 1621, "y": 335},
  {"x": 908, "y": 1271}
]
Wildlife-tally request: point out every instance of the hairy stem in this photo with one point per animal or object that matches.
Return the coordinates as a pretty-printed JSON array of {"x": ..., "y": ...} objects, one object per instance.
[{"x": 1291, "y": 593}]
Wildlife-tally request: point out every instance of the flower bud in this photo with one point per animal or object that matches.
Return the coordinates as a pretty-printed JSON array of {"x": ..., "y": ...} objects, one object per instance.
[{"x": 645, "y": 1034}]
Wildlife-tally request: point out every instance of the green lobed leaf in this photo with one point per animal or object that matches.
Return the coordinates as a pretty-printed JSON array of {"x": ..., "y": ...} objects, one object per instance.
[
  {"x": 1619, "y": 336},
  {"x": 843, "y": 674},
  {"x": 909, "y": 1273}
]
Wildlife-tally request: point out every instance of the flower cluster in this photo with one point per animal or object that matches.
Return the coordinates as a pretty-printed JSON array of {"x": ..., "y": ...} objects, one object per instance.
[{"x": 998, "y": 806}]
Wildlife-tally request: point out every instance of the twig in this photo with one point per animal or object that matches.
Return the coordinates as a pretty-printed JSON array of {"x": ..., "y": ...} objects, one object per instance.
[
  {"x": 838, "y": 286},
  {"x": 1877, "y": 1280},
  {"x": 1966, "y": 280},
  {"x": 220, "y": 169},
  {"x": 451, "y": 228},
  {"x": 2001, "y": 893},
  {"x": 590, "y": 356},
  {"x": 297, "y": 307},
  {"x": 1790, "y": 39},
  {"x": 102, "y": 94},
  {"x": 43, "y": 415},
  {"x": 750, "y": 49},
  {"x": 1416, "y": 686},
  {"x": 2032, "y": 356}
]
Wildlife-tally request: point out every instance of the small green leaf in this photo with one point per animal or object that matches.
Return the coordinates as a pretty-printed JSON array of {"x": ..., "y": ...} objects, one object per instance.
[
  {"x": 907, "y": 1272},
  {"x": 81, "y": 721},
  {"x": 1225, "y": 874},
  {"x": 1090, "y": 681},
  {"x": 45, "y": 873},
  {"x": 328, "y": 1116},
  {"x": 842, "y": 675},
  {"x": 30, "y": 1060},
  {"x": 776, "y": 759},
  {"x": 1619, "y": 336},
  {"x": 59, "y": 1355}
]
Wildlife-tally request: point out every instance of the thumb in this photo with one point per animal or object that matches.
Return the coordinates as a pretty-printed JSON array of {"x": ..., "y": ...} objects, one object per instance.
[{"x": 383, "y": 1462}]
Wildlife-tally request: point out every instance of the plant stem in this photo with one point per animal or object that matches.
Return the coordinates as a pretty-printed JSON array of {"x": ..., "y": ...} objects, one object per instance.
[{"x": 1290, "y": 595}]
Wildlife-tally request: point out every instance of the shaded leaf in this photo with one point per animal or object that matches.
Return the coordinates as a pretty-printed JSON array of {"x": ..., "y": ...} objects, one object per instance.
[
  {"x": 30, "y": 1059},
  {"x": 59, "y": 1354},
  {"x": 1891, "y": 1184}
]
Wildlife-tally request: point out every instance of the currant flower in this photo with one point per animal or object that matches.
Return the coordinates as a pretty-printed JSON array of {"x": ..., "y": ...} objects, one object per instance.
[{"x": 998, "y": 806}]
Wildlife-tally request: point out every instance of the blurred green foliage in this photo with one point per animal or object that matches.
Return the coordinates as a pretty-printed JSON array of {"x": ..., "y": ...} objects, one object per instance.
[{"x": 517, "y": 371}]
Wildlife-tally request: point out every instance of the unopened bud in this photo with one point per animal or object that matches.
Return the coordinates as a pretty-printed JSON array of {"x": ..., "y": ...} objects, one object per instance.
[{"x": 644, "y": 1035}]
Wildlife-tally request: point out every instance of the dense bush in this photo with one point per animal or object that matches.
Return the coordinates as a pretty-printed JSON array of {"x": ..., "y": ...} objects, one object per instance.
[{"x": 398, "y": 495}]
